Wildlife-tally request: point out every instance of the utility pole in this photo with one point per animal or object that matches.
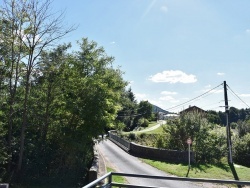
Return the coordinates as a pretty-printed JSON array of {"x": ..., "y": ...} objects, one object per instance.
[{"x": 229, "y": 142}]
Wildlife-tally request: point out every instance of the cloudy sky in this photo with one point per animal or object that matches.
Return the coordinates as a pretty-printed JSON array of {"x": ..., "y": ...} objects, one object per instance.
[{"x": 172, "y": 51}]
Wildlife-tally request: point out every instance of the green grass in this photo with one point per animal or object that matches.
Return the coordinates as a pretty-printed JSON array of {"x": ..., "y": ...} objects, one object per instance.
[
  {"x": 159, "y": 130},
  {"x": 117, "y": 179},
  {"x": 220, "y": 171},
  {"x": 152, "y": 123}
]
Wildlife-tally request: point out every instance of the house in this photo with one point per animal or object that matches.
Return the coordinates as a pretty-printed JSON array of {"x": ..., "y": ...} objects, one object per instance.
[
  {"x": 170, "y": 116},
  {"x": 193, "y": 109}
]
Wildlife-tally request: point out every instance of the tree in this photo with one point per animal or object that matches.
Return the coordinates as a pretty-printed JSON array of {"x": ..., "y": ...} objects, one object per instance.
[
  {"x": 206, "y": 144},
  {"x": 241, "y": 149},
  {"x": 34, "y": 28},
  {"x": 213, "y": 117},
  {"x": 145, "y": 109},
  {"x": 128, "y": 112},
  {"x": 233, "y": 114},
  {"x": 243, "y": 127}
]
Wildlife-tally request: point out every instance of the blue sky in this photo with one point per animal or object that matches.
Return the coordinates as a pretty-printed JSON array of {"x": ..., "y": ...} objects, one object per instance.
[{"x": 171, "y": 50}]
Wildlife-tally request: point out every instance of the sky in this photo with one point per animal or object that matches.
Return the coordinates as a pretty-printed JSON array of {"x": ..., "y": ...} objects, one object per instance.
[{"x": 171, "y": 51}]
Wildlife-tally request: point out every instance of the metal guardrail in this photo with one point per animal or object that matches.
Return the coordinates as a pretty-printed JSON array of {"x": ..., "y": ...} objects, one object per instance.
[
  {"x": 4, "y": 185},
  {"x": 110, "y": 183},
  {"x": 119, "y": 141}
]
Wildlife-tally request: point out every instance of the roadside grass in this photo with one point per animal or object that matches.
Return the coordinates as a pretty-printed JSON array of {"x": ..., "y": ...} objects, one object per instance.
[
  {"x": 151, "y": 124},
  {"x": 159, "y": 130},
  {"x": 219, "y": 171},
  {"x": 117, "y": 179}
]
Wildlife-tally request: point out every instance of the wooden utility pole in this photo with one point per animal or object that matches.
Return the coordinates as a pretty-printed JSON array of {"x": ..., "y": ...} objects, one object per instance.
[{"x": 229, "y": 142}]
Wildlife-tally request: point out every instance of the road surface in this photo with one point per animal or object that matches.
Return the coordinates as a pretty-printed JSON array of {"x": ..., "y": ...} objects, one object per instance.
[
  {"x": 161, "y": 122},
  {"x": 121, "y": 161}
]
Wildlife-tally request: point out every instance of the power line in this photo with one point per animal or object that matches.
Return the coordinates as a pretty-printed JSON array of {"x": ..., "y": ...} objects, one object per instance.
[
  {"x": 195, "y": 98},
  {"x": 135, "y": 115},
  {"x": 211, "y": 105},
  {"x": 237, "y": 96}
]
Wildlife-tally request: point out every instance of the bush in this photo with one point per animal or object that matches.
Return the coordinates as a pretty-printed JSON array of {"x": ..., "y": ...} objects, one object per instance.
[
  {"x": 132, "y": 136},
  {"x": 241, "y": 152},
  {"x": 142, "y": 135},
  {"x": 160, "y": 141},
  {"x": 145, "y": 123},
  {"x": 233, "y": 125}
]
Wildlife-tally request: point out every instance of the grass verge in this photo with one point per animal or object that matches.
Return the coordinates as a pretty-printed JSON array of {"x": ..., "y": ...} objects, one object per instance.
[
  {"x": 220, "y": 171},
  {"x": 117, "y": 179}
]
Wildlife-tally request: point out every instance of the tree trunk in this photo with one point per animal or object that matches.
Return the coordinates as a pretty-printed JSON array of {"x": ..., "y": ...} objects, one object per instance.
[{"x": 24, "y": 124}]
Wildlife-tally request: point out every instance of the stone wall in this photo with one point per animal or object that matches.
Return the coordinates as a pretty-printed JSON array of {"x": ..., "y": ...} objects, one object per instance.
[
  {"x": 160, "y": 154},
  {"x": 150, "y": 152}
]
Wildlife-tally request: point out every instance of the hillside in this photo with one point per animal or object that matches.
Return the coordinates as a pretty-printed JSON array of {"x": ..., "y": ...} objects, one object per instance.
[{"x": 158, "y": 109}]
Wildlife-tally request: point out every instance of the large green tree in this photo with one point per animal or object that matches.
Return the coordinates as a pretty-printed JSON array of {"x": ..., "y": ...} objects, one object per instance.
[
  {"x": 53, "y": 103},
  {"x": 145, "y": 109},
  {"x": 32, "y": 28},
  {"x": 208, "y": 145},
  {"x": 127, "y": 114}
]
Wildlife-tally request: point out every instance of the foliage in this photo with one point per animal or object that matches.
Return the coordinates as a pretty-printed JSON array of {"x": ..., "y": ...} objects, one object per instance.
[
  {"x": 241, "y": 148},
  {"x": 132, "y": 136},
  {"x": 213, "y": 117},
  {"x": 233, "y": 125},
  {"x": 142, "y": 122},
  {"x": 215, "y": 171},
  {"x": 145, "y": 109},
  {"x": 207, "y": 145},
  {"x": 243, "y": 127},
  {"x": 72, "y": 98},
  {"x": 128, "y": 112}
]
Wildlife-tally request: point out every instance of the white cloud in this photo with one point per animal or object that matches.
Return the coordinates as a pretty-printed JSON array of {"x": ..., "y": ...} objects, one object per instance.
[
  {"x": 213, "y": 91},
  {"x": 220, "y": 73},
  {"x": 217, "y": 91},
  {"x": 166, "y": 98},
  {"x": 208, "y": 88},
  {"x": 168, "y": 93},
  {"x": 169, "y": 99},
  {"x": 140, "y": 96},
  {"x": 173, "y": 76},
  {"x": 130, "y": 83},
  {"x": 113, "y": 42},
  {"x": 244, "y": 95},
  {"x": 164, "y": 8},
  {"x": 247, "y": 30}
]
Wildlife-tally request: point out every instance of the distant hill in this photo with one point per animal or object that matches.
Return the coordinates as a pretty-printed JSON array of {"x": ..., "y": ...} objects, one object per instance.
[{"x": 158, "y": 109}]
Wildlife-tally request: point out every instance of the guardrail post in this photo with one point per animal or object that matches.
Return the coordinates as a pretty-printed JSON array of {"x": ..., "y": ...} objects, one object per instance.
[{"x": 110, "y": 180}]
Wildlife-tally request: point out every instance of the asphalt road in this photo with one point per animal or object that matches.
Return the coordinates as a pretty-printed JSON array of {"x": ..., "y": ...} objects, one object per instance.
[{"x": 121, "y": 161}]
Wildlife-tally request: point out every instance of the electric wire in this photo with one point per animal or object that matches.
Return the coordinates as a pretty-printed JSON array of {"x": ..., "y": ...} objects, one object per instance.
[
  {"x": 237, "y": 96},
  {"x": 196, "y": 98},
  {"x": 135, "y": 115},
  {"x": 211, "y": 105}
]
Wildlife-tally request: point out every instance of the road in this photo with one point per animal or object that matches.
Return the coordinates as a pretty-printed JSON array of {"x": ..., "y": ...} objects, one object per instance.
[
  {"x": 121, "y": 161},
  {"x": 161, "y": 122}
]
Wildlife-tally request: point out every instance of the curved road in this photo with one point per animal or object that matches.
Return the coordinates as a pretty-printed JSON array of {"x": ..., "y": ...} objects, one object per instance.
[
  {"x": 121, "y": 161},
  {"x": 161, "y": 122}
]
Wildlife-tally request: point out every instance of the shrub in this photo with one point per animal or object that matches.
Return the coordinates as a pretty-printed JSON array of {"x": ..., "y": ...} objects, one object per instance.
[
  {"x": 142, "y": 135},
  {"x": 132, "y": 136},
  {"x": 241, "y": 150}
]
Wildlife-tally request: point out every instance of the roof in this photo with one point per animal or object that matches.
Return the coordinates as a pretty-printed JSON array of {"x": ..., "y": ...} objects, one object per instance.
[{"x": 193, "y": 109}]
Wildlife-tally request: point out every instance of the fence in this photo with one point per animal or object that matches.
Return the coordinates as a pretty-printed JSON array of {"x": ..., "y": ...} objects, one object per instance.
[{"x": 110, "y": 183}]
